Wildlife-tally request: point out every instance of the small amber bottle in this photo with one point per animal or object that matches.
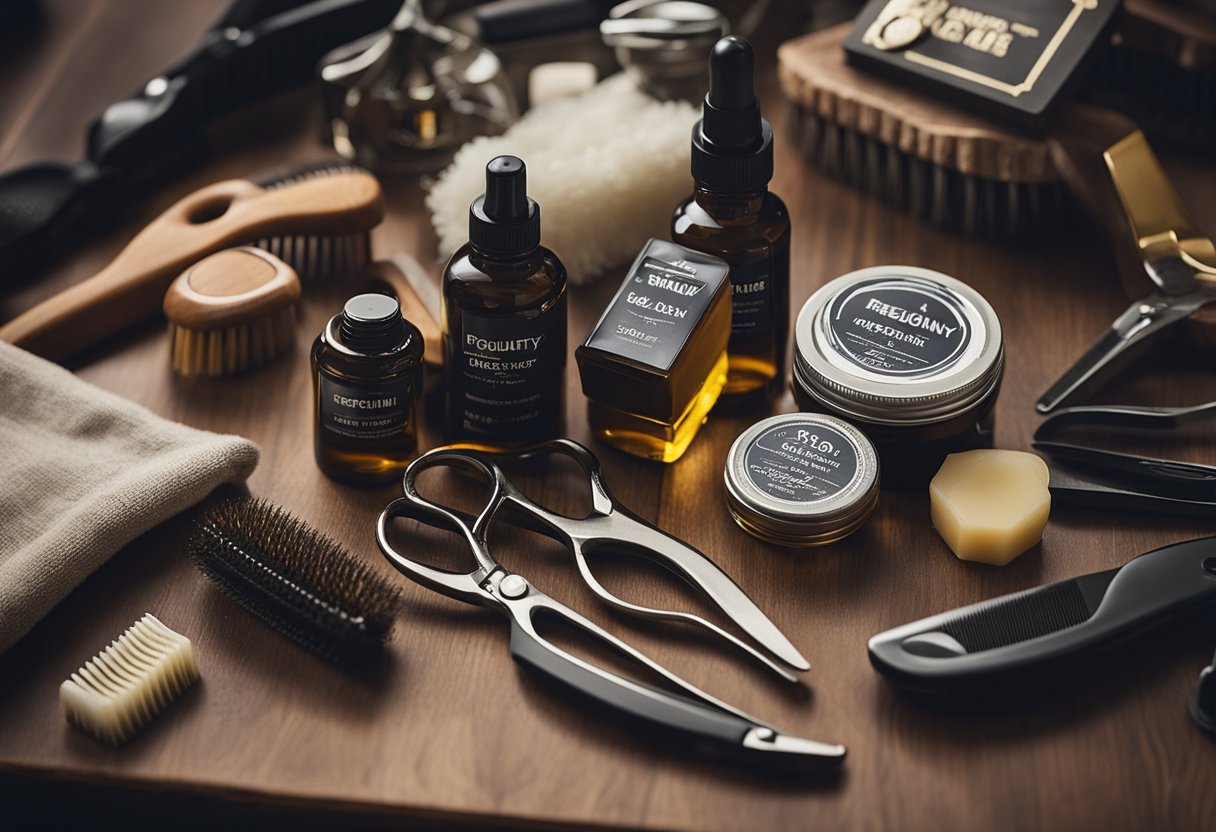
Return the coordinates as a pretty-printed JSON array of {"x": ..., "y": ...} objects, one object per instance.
[
  {"x": 504, "y": 321},
  {"x": 367, "y": 379},
  {"x": 731, "y": 214}
]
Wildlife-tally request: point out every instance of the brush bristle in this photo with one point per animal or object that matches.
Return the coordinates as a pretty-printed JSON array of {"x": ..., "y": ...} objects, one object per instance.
[
  {"x": 322, "y": 258},
  {"x": 281, "y": 177},
  {"x": 297, "y": 580},
  {"x": 974, "y": 205},
  {"x": 235, "y": 349}
]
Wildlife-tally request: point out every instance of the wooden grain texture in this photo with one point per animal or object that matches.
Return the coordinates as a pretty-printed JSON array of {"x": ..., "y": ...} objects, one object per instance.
[{"x": 452, "y": 731}]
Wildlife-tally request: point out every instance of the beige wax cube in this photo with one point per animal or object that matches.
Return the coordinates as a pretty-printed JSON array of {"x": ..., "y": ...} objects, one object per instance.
[{"x": 990, "y": 505}]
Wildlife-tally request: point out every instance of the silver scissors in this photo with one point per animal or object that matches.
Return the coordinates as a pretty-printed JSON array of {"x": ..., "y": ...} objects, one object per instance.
[
  {"x": 706, "y": 722},
  {"x": 610, "y": 526},
  {"x": 1178, "y": 258}
]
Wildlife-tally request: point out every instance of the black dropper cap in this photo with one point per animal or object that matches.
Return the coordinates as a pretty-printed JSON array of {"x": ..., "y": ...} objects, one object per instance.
[
  {"x": 503, "y": 222},
  {"x": 732, "y": 144},
  {"x": 372, "y": 323}
]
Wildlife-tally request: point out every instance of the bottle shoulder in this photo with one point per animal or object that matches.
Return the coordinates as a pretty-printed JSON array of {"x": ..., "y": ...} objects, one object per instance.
[
  {"x": 474, "y": 282},
  {"x": 337, "y": 360},
  {"x": 700, "y": 228}
]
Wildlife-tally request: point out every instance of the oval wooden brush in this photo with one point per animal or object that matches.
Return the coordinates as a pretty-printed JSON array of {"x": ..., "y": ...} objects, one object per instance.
[
  {"x": 230, "y": 312},
  {"x": 317, "y": 219}
]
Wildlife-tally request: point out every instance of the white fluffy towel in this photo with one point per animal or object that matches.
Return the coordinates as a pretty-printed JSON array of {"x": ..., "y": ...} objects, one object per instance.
[
  {"x": 85, "y": 472},
  {"x": 607, "y": 168}
]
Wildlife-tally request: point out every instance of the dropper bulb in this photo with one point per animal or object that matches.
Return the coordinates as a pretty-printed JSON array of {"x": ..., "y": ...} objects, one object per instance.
[
  {"x": 732, "y": 69},
  {"x": 506, "y": 197}
]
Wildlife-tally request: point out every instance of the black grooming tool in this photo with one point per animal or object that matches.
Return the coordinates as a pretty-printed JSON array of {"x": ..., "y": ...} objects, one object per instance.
[
  {"x": 257, "y": 49},
  {"x": 1016, "y": 58},
  {"x": 297, "y": 580},
  {"x": 1203, "y": 700},
  {"x": 1016, "y": 637},
  {"x": 1100, "y": 478}
]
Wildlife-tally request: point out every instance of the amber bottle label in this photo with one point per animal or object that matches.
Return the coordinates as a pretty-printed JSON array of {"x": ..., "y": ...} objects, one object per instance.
[
  {"x": 751, "y": 297},
  {"x": 899, "y": 328},
  {"x": 365, "y": 411},
  {"x": 508, "y": 382},
  {"x": 654, "y": 312},
  {"x": 801, "y": 463}
]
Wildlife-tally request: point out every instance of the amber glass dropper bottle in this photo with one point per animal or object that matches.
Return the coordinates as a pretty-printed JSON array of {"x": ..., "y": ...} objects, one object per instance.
[
  {"x": 733, "y": 215},
  {"x": 504, "y": 321}
]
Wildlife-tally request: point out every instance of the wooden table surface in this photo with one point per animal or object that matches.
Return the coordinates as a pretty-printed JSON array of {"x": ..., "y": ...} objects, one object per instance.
[{"x": 452, "y": 730}]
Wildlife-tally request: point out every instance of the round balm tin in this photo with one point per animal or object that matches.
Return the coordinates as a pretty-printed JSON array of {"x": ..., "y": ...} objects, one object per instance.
[
  {"x": 911, "y": 356},
  {"x": 801, "y": 479}
]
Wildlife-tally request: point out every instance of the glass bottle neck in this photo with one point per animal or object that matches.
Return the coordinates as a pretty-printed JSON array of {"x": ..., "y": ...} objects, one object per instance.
[
  {"x": 487, "y": 262},
  {"x": 730, "y": 206}
]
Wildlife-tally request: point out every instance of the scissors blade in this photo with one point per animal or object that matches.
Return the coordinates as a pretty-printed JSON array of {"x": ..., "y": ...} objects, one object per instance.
[
  {"x": 1142, "y": 320},
  {"x": 703, "y": 573}
]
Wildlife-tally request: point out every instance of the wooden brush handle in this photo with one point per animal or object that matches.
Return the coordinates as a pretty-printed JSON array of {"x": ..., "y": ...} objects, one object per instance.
[{"x": 229, "y": 213}]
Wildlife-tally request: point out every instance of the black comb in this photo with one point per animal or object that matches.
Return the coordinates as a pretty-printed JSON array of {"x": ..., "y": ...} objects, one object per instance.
[
  {"x": 1020, "y": 636},
  {"x": 297, "y": 580},
  {"x": 258, "y": 49}
]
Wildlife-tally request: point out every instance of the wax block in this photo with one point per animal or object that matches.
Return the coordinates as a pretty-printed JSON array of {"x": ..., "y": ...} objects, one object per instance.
[{"x": 990, "y": 505}]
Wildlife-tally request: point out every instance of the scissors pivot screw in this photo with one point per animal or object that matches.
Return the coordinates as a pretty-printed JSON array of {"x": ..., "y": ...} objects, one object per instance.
[{"x": 513, "y": 586}]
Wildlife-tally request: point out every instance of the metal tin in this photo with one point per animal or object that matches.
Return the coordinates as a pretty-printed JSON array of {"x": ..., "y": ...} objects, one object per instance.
[
  {"x": 898, "y": 345},
  {"x": 801, "y": 479},
  {"x": 912, "y": 357}
]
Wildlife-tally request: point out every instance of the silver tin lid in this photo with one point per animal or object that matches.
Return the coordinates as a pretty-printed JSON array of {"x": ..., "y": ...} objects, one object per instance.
[
  {"x": 897, "y": 345},
  {"x": 802, "y": 475}
]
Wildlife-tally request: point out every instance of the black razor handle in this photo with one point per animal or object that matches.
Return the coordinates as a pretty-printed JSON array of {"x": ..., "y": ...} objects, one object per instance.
[
  {"x": 694, "y": 725},
  {"x": 1019, "y": 636},
  {"x": 158, "y": 132}
]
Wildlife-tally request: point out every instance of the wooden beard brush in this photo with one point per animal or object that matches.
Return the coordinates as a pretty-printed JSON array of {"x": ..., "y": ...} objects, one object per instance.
[
  {"x": 944, "y": 164},
  {"x": 317, "y": 219},
  {"x": 230, "y": 312}
]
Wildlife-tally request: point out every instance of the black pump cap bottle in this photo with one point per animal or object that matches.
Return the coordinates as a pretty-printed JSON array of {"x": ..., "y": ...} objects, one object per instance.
[
  {"x": 732, "y": 144},
  {"x": 503, "y": 222}
]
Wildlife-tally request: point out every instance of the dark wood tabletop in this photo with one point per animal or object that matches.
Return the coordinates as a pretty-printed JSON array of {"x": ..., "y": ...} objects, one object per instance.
[{"x": 452, "y": 730}]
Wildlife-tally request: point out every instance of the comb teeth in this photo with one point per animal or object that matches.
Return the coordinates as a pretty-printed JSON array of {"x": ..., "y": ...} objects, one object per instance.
[
  {"x": 1019, "y": 619},
  {"x": 129, "y": 682},
  {"x": 296, "y": 580},
  {"x": 974, "y": 205},
  {"x": 317, "y": 258},
  {"x": 235, "y": 349}
]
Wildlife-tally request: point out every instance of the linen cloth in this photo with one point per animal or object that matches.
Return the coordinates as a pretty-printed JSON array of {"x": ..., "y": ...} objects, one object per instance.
[{"x": 84, "y": 472}]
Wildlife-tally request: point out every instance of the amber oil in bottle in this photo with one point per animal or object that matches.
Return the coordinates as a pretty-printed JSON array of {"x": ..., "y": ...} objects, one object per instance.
[
  {"x": 731, "y": 214},
  {"x": 504, "y": 321},
  {"x": 367, "y": 380}
]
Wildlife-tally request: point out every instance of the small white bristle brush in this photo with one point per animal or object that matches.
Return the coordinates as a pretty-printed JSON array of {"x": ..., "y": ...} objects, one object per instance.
[{"x": 121, "y": 688}]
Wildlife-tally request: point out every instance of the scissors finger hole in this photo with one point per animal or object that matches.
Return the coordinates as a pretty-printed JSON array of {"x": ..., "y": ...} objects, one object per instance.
[
  {"x": 432, "y": 541},
  {"x": 455, "y": 483}
]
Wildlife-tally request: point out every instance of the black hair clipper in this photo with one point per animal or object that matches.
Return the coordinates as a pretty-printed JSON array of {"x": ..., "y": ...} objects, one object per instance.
[{"x": 1012, "y": 638}]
